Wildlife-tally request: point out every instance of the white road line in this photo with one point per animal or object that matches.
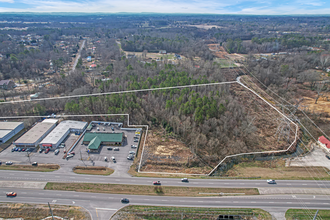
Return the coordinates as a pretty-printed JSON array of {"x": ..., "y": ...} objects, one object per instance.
[{"x": 106, "y": 209}]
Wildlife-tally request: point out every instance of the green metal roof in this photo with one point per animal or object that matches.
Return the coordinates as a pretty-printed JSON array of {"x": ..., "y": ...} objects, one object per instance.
[
  {"x": 94, "y": 144},
  {"x": 104, "y": 137}
]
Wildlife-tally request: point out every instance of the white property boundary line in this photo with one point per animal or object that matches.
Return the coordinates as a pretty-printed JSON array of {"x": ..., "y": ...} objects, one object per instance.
[{"x": 154, "y": 89}]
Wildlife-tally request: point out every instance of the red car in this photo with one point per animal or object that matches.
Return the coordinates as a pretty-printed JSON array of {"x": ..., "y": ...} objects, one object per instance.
[
  {"x": 156, "y": 183},
  {"x": 11, "y": 194},
  {"x": 73, "y": 153},
  {"x": 47, "y": 150}
]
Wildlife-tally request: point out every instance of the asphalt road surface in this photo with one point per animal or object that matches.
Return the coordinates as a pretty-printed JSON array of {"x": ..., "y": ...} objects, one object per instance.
[
  {"x": 59, "y": 176},
  {"x": 102, "y": 206}
]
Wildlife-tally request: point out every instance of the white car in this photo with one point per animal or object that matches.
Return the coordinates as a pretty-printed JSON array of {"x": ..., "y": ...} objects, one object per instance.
[
  {"x": 9, "y": 163},
  {"x": 132, "y": 152},
  {"x": 271, "y": 181},
  {"x": 133, "y": 146},
  {"x": 69, "y": 156},
  {"x": 113, "y": 158}
]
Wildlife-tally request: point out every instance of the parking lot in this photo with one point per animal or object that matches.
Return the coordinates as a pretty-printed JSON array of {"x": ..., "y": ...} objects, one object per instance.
[{"x": 121, "y": 164}]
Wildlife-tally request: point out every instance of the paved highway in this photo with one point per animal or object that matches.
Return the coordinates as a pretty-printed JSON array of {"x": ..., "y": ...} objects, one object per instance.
[
  {"x": 102, "y": 206},
  {"x": 56, "y": 176}
]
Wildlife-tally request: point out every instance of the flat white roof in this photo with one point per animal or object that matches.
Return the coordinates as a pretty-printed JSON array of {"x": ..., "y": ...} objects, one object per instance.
[
  {"x": 4, "y": 133},
  {"x": 35, "y": 133},
  {"x": 55, "y": 136},
  {"x": 50, "y": 120},
  {"x": 9, "y": 125}
]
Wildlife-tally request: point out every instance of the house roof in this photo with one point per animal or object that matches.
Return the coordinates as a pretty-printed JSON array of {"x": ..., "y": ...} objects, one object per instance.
[
  {"x": 104, "y": 137},
  {"x": 94, "y": 144},
  {"x": 324, "y": 141},
  {"x": 3, "y": 82}
]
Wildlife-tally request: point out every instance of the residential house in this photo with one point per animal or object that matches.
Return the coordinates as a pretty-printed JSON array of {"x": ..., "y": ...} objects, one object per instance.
[
  {"x": 7, "y": 84},
  {"x": 162, "y": 51},
  {"x": 89, "y": 59}
]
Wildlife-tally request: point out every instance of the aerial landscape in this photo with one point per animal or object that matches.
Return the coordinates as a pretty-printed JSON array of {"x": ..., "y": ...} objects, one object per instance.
[{"x": 164, "y": 110}]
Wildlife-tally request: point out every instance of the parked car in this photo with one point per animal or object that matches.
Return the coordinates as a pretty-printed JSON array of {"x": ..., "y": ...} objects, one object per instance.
[
  {"x": 116, "y": 149},
  {"x": 156, "y": 183},
  {"x": 327, "y": 156},
  {"x": 132, "y": 152},
  {"x": 133, "y": 146},
  {"x": 109, "y": 148},
  {"x": 69, "y": 156},
  {"x": 136, "y": 140},
  {"x": 23, "y": 149},
  {"x": 64, "y": 151},
  {"x": 11, "y": 194},
  {"x": 35, "y": 164},
  {"x": 0, "y": 162},
  {"x": 47, "y": 150},
  {"x": 9, "y": 163},
  {"x": 184, "y": 180},
  {"x": 130, "y": 157},
  {"x": 271, "y": 182},
  {"x": 41, "y": 150},
  {"x": 112, "y": 129},
  {"x": 72, "y": 152},
  {"x": 19, "y": 149},
  {"x": 113, "y": 159},
  {"x": 105, "y": 159},
  {"x": 124, "y": 200},
  {"x": 56, "y": 151},
  {"x": 13, "y": 149}
]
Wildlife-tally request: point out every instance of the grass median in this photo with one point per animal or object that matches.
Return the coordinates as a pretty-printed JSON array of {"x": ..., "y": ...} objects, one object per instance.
[
  {"x": 303, "y": 214},
  {"x": 39, "y": 168},
  {"x": 150, "y": 190},
  {"x": 41, "y": 211},
  {"x": 105, "y": 171},
  {"x": 164, "y": 212}
]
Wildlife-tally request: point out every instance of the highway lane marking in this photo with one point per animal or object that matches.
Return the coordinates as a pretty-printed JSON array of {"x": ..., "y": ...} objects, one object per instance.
[
  {"x": 57, "y": 176},
  {"x": 200, "y": 201},
  {"x": 164, "y": 200},
  {"x": 106, "y": 209},
  {"x": 75, "y": 195},
  {"x": 325, "y": 203},
  {"x": 146, "y": 199},
  {"x": 253, "y": 202},
  {"x": 41, "y": 193},
  {"x": 305, "y": 184},
  {"x": 59, "y": 194},
  {"x": 87, "y": 178},
  {"x": 72, "y": 177},
  {"x": 289, "y": 202}
]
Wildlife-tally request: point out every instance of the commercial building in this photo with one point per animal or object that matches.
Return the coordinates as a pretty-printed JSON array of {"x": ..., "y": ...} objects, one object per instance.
[
  {"x": 324, "y": 142},
  {"x": 95, "y": 139},
  {"x": 57, "y": 136},
  {"x": 9, "y": 129},
  {"x": 38, "y": 132}
]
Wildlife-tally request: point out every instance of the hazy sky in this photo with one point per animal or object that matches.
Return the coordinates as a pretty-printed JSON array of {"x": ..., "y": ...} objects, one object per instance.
[{"x": 171, "y": 6}]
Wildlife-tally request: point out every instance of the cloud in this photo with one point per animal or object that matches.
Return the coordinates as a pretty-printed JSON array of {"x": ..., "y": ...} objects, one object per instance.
[
  {"x": 7, "y": 1},
  {"x": 310, "y": 2}
]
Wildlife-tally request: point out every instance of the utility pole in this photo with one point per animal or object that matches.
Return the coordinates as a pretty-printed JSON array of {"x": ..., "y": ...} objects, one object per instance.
[
  {"x": 51, "y": 212},
  {"x": 315, "y": 214}
]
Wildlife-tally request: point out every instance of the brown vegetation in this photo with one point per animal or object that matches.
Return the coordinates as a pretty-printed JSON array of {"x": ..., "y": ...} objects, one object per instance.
[
  {"x": 93, "y": 170},
  {"x": 40, "y": 167}
]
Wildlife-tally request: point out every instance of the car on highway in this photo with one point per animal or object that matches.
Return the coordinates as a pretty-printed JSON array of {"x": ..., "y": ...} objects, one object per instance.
[
  {"x": 56, "y": 151},
  {"x": 109, "y": 148},
  {"x": 47, "y": 150},
  {"x": 9, "y": 163},
  {"x": 184, "y": 180},
  {"x": 156, "y": 183},
  {"x": 11, "y": 194},
  {"x": 124, "y": 200},
  {"x": 35, "y": 164},
  {"x": 116, "y": 149},
  {"x": 271, "y": 181},
  {"x": 133, "y": 146}
]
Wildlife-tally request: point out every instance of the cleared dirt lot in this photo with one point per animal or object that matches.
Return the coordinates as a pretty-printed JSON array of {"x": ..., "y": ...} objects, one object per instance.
[{"x": 314, "y": 159}]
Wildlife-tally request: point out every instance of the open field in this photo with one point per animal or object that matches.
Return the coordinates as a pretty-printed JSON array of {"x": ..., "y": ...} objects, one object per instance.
[
  {"x": 277, "y": 170},
  {"x": 302, "y": 214},
  {"x": 167, "y": 154},
  {"x": 93, "y": 170},
  {"x": 39, "y": 168},
  {"x": 204, "y": 26},
  {"x": 225, "y": 63},
  {"x": 41, "y": 211},
  {"x": 163, "y": 212},
  {"x": 148, "y": 190}
]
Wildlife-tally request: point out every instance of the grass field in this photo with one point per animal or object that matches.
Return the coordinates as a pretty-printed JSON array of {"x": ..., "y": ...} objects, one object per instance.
[
  {"x": 148, "y": 190},
  {"x": 40, "y": 167},
  {"x": 41, "y": 211},
  {"x": 225, "y": 63},
  {"x": 302, "y": 214},
  {"x": 93, "y": 170},
  {"x": 163, "y": 212},
  {"x": 277, "y": 170}
]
